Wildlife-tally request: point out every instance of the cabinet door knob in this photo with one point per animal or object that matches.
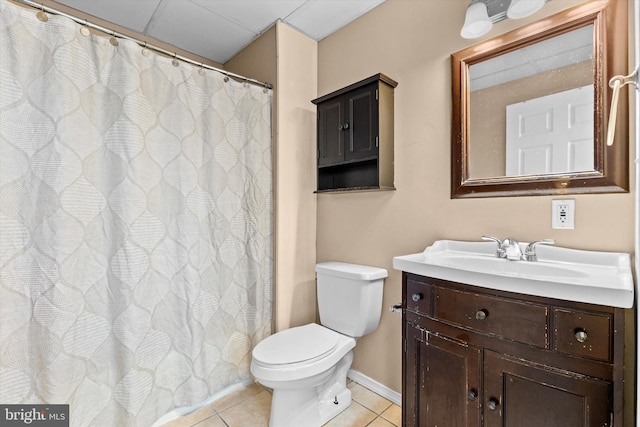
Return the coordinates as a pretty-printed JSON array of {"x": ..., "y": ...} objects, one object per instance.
[
  {"x": 581, "y": 335},
  {"x": 340, "y": 127},
  {"x": 481, "y": 314},
  {"x": 345, "y": 126},
  {"x": 472, "y": 395},
  {"x": 416, "y": 297},
  {"x": 492, "y": 404}
]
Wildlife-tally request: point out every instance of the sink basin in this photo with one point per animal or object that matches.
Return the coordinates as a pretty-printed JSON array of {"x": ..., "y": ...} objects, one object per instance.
[{"x": 602, "y": 278}]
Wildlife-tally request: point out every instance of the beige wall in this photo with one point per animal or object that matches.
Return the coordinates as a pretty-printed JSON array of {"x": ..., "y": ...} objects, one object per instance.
[
  {"x": 296, "y": 203},
  {"x": 411, "y": 41},
  {"x": 288, "y": 59}
]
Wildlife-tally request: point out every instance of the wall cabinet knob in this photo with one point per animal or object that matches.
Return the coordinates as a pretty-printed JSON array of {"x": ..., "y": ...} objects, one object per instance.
[
  {"x": 481, "y": 314},
  {"x": 345, "y": 126},
  {"x": 492, "y": 404},
  {"x": 416, "y": 297},
  {"x": 581, "y": 335},
  {"x": 472, "y": 395}
]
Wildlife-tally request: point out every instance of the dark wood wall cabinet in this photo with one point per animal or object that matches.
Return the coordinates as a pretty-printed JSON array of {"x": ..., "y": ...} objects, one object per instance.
[
  {"x": 478, "y": 357},
  {"x": 355, "y": 136}
]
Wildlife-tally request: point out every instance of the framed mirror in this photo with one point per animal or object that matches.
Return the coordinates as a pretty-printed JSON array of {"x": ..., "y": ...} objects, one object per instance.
[{"x": 531, "y": 107}]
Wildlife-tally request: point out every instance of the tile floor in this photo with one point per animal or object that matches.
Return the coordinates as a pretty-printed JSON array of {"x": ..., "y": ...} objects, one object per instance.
[{"x": 249, "y": 407}]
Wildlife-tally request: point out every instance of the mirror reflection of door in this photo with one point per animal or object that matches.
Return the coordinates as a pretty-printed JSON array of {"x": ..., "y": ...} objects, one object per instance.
[
  {"x": 554, "y": 65},
  {"x": 551, "y": 134}
]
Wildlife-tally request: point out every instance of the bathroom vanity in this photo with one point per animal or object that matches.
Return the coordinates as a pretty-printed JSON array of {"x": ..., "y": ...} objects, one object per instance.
[{"x": 479, "y": 356}]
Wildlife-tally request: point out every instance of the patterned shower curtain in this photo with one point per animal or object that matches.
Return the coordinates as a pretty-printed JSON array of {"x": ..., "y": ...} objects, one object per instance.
[{"x": 135, "y": 225}]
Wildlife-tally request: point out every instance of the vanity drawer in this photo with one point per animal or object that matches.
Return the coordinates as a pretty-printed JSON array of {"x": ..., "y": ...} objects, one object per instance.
[
  {"x": 418, "y": 297},
  {"x": 515, "y": 320},
  {"x": 583, "y": 334}
]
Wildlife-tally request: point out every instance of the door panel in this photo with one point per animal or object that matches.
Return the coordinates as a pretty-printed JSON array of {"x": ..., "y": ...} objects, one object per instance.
[
  {"x": 551, "y": 134},
  {"x": 363, "y": 124},
  {"x": 528, "y": 395},
  {"x": 449, "y": 383},
  {"x": 330, "y": 133}
]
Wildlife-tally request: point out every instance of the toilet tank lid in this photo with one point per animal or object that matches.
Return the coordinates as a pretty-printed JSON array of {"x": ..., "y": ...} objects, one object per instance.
[{"x": 351, "y": 271}]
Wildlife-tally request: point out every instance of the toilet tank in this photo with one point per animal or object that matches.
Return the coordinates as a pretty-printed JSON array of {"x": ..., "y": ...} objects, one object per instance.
[{"x": 350, "y": 297}]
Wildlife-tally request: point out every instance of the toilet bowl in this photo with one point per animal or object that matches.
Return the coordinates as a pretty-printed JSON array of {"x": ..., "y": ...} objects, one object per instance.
[
  {"x": 308, "y": 380},
  {"x": 306, "y": 366}
]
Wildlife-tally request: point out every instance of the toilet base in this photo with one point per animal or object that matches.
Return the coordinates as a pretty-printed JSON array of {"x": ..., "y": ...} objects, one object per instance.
[
  {"x": 332, "y": 409},
  {"x": 312, "y": 406}
]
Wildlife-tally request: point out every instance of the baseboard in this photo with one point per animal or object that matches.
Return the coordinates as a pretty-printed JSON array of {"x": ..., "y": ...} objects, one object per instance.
[{"x": 375, "y": 386}]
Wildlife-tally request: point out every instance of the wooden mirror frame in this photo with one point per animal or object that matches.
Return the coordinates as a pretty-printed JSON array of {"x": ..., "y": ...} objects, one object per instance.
[{"x": 611, "y": 164}]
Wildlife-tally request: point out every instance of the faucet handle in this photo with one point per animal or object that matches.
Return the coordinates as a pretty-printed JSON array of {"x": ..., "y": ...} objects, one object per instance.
[
  {"x": 492, "y": 239},
  {"x": 530, "y": 251},
  {"x": 500, "y": 252}
]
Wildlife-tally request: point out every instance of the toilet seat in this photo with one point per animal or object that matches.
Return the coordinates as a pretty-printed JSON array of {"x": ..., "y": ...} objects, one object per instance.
[{"x": 302, "y": 344}]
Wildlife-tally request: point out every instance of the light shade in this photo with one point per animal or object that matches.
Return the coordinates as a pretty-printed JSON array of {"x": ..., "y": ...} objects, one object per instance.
[
  {"x": 523, "y": 8},
  {"x": 476, "y": 21}
]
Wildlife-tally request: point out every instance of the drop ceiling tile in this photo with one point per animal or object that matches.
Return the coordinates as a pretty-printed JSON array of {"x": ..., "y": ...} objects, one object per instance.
[
  {"x": 254, "y": 15},
  {"x": 126, "y": 13},
  {"x": 319, "y": 18},
  {"x": 186, "y": 24}
]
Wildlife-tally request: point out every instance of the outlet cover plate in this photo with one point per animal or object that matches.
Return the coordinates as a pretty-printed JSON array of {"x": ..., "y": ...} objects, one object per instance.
[{"x": 563, "y": 214}]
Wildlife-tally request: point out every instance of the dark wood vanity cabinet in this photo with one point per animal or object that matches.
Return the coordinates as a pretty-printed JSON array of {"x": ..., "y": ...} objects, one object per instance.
[
  {"x": 355, "y": 136},
  {"x": 478, "y": 357}
]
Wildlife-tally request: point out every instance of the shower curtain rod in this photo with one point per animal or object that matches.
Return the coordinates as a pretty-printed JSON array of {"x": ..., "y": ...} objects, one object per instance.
[{"x": 141, "y": 43}]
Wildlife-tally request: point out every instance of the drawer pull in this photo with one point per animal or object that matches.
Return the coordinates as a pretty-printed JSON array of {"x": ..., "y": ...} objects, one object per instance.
[
  {"x": 481, "y": 314},
  {"x": 581, "y": 335},
  {"x": 492, "y": 404},
  {"x": 416, "y": 297},
  {"x": 472, "y": 395}
]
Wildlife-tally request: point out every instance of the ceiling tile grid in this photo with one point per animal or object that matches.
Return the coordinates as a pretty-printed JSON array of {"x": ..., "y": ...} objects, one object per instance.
[{"x": 218, "y": 29}]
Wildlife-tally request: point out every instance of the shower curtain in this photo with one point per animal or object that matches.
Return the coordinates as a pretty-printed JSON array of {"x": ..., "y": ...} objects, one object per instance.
[{"x": 135, "y": 224}]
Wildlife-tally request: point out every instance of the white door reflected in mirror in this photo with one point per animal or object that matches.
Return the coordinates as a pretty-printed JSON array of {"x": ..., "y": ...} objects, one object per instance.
[{"x": 551, "y": 134}]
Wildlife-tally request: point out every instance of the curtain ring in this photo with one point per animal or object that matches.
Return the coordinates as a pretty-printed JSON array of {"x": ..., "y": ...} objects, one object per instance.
[
  {"x": 42, "y": 16},
  {"x": 84, "y": 30},
  {"x": 145, "y": 51},
  {"x": 201, "y": 70},
  {"x": 175, "y": 61}
]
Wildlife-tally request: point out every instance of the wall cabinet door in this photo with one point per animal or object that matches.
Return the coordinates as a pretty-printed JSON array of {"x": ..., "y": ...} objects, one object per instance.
[
  {"x": 518, "y": 393},
  {"x": 348, "y": 127},
  {"x": 330, "y": 132},
  {"x": 447, "y": 384},
  {"x": 362, "y": 123}
]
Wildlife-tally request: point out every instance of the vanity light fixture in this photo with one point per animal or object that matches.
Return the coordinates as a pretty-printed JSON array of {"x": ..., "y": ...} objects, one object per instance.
[
  {"x": 523, "y": 8},
  {"x": 482, "y": 14},
  {"x": 476, "y": 21}
]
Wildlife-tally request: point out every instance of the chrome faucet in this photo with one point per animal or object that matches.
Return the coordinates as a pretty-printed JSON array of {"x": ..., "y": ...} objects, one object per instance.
[
  {"x": 509, "y": 248},
  {"x": 530, "y": 251}
]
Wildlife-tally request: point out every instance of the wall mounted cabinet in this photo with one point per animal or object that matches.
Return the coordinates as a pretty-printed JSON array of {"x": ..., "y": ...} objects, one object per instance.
[
  {"x": 474, "y": 357},
  {"x": 355, "y": 136}
]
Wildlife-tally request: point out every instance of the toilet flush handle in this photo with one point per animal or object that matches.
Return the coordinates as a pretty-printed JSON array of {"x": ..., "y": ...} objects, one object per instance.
[{"x": 396, "y": 308}]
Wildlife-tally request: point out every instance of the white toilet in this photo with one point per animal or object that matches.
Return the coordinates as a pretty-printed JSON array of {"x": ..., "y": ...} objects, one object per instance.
[{"x": 307, "y": 366}]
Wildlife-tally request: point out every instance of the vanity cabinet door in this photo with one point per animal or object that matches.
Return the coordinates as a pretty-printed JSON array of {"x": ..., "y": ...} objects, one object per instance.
[
  {"x": 517, "y": 393},
  {"x": 443, "y": 386}
]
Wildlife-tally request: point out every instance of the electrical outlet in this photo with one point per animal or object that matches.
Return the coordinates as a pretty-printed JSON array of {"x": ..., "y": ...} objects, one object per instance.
[{"x": 563, "y": 214}]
